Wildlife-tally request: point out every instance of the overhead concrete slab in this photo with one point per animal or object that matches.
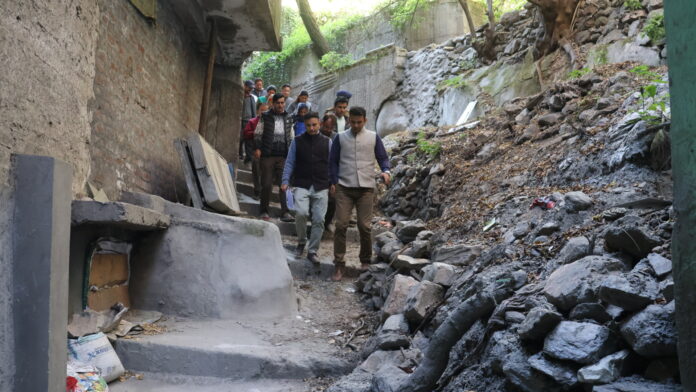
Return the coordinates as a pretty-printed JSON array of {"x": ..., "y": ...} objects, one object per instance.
[
  {"x": 211, "y": 266},
  {"x": 243, "y": 26},
  {"x": 213, "y": 176},
  {"x": 117, "y": 214}
]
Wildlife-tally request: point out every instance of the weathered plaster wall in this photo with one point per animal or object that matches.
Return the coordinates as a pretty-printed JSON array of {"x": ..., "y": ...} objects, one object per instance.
[
  {"x": 47, "y": 63},
  {"x": 148, "y": 88}
]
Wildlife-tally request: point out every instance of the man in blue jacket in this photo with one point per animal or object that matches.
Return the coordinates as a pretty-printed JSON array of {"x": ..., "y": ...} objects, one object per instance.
[{"x": 352, "y": 175}]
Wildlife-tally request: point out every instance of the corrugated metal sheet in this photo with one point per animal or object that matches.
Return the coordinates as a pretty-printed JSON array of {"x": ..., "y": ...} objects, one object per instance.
[{"x": 146, "y": 7}]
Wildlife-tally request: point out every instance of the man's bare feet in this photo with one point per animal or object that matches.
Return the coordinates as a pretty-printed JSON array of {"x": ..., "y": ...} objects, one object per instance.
[
  {"x": 364, "y": 266},
  {"x": 338, "y": 273}
]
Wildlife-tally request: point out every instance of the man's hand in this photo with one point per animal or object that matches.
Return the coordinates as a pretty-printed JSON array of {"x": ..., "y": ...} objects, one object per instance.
[
  {"x": 284, "y": 187},
  {"x": 386, "y": 177},
  {"x": 332, "y": 190},
  {"x": 257, "y": 154}
]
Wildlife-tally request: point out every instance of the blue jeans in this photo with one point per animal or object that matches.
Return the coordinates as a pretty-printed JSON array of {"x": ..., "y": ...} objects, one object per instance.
[{"x": 310, "y": 201}]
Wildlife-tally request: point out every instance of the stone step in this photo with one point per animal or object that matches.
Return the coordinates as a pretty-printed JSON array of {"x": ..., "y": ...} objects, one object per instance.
[
  {"x": 234, "y": 350},
  {"x": 253, "y": 208},
  {"x": 248, "y": 189},
  {"x": 154, "y": 382},
  {"x": 245, "y": 176}
]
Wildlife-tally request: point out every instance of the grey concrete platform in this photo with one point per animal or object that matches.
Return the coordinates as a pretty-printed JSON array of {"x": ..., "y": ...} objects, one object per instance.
[
  {"x": 117, "y": 214},
  {"x": 235, "y": 350},
  {"x": 176, "y": 383}
]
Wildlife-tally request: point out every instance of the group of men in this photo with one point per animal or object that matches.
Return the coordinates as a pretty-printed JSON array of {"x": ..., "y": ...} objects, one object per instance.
[{"x": 328, "y": 163}]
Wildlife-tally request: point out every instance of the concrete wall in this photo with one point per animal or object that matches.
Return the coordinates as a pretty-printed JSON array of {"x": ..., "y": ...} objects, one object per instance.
[
  {"x": 47, "y": 63},
  {"x": 434, "y": 24},
  {"x": 148, "y": 88},
  {"x": 372, "y": 81}
]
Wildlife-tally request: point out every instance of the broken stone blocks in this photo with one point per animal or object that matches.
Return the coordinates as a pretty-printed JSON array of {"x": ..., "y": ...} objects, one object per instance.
[
  {"x": 396, "y": 301},
  {"x": 422, "y": 299},
  {"x": 583, "y": 343},
  {"x": 440, "y": 273}
]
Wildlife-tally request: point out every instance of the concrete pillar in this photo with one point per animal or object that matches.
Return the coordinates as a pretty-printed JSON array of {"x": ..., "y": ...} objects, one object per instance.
[
  {"x": 40, "y": 271},
  {"x": 681, "y": 55}
]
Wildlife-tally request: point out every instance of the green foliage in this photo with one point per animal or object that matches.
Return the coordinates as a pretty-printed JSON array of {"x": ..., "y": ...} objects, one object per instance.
[
  {"x": 578, "y": 73},
  {"x": 501, "y": 7},
  {"x": 653, "y": 106},
  {"x": 333, "y": 61},
  {"x": 454, "y": 82},
  {"x": 274, "y": 67},
  {"x": 633, "y": 5},
  {"x": 402, "y": 13},
  {"x": 431, "y": 149},
  {"x": 655, "y": 29}
]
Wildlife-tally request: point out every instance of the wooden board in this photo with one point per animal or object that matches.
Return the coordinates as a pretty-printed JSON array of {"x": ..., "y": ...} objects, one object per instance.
[
  {"x": 214, "y": 177},
  {"x": 104, "y": 299},
  {"x": 189, "y": 173},
  {"x": 108, "y": 270}
]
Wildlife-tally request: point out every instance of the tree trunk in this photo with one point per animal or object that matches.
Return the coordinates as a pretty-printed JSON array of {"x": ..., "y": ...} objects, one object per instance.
[
  {"x": 320, "y": 45},
  {"x": 436, "y": 357},
  {"x": 485, "y": 48},
  {"x": 469, "y": 19},
  {"x": 557, "y": 17}
]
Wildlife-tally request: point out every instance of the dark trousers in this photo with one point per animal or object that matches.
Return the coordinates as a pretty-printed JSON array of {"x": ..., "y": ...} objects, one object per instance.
[
  {"x": 241, "y": 139},
  {"x": 272, "y": 174},
  {"x": 255, "y": 165},
  {"x": 330, "y": 210},
  {"x": 362, "y": 199}
]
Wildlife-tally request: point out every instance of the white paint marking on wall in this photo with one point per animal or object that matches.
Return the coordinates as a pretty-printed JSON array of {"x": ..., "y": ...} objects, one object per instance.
[{"x": 467, "y": 113}]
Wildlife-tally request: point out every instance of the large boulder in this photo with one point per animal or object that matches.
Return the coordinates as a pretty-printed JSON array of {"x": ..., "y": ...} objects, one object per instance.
[
  {"x": 508, "y": 357},
  {"x": 661, "y": 266},
  {"x": 652, "y": 333},
  {"x": 393, "y": 335},
  {"x": 459, "y": 255},
  {"x": 608, "y": 369},
  {"x": 539, "y": 322},
  {"x": 422, "y": 299},
  {"x": 577, "y": 201},
  {"x": 388, "y": 379},
  {"x": 390, "y": 249},
  {"x": 396, "y": 301},
  {"x": 631, "y": 291},
  {"x": 407, "y": 231},
  {"x": 575, "y": 249},
  {"x": 563, "y": 373},
  {"x": 578, "y": 282},
  {"x": 440, "y": 273},
  {"x": 625, "y": 235},
  {"x": 408, "y": 262},
  {"x": 580, "y": 342}
]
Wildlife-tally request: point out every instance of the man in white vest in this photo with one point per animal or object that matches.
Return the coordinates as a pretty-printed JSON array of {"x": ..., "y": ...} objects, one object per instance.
[{"x": 352, "y": 177}]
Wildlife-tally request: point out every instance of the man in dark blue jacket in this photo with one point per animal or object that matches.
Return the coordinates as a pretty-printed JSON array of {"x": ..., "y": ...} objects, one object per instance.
[{"x": 307, "y": 170}]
